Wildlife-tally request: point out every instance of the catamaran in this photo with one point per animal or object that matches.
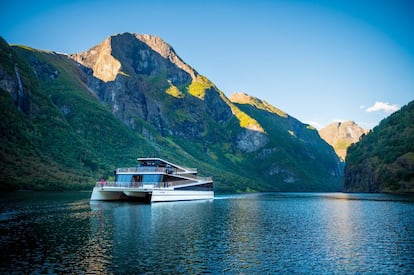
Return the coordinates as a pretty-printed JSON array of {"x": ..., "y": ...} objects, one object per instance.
[{"x": 154, "y": 180}]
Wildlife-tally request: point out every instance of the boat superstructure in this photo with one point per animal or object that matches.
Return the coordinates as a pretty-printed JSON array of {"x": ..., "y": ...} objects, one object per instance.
[{"x": 155, "y": 180}]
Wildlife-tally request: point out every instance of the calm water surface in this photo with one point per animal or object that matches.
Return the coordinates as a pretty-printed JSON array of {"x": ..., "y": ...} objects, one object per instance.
[{"x": 255, "y": 233}]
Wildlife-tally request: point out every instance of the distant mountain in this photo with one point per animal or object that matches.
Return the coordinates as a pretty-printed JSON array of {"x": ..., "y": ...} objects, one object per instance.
[
  {"x": 340, "y": 135},
  {"x": 68, "y": 120},
  {"x": 383, "y": 161}
]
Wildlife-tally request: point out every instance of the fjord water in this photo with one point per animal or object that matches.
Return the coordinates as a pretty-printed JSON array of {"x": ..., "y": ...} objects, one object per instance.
[{"x": 255, "y": 233}]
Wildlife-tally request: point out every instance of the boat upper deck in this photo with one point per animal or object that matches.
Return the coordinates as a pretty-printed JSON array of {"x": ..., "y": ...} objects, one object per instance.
[
  {"x": 156, "y": 169},
  {"x": 157, "y": 165},
  {"x": 160, "y": 163}
]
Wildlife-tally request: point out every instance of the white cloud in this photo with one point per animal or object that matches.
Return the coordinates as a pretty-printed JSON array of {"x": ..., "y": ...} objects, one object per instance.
[{"x": 383, "y": 106}]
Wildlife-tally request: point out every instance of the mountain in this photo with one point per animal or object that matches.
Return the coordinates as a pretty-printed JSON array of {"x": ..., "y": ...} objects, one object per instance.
[
  {"x": 295, "y": 154},
  {"x": 383, "y": 161},
  {"x": 340, "y": 135},
  {"x": 71, "y": 119}
]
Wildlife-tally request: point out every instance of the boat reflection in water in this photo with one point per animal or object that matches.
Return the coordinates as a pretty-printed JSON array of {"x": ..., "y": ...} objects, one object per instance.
[{"x": 136, "y": 237}]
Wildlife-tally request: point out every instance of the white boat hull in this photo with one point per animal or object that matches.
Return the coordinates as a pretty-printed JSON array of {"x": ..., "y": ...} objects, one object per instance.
[
  {"x": 155, "y": 195},
  {"x": 102, "y": 194}
]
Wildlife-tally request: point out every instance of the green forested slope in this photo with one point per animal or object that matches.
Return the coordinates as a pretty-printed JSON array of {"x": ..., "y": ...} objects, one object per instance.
[{"x": 383, "y": 161}]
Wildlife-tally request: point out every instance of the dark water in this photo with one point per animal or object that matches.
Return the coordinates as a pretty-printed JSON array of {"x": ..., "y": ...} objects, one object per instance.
[{"x": 257, "y": 233}]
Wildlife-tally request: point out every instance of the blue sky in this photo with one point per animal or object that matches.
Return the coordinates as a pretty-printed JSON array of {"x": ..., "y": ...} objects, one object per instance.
[{"x": 319, "y": 61}]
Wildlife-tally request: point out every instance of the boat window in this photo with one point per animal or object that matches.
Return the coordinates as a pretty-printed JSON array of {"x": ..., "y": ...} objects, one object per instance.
[
  {"x": 151, "y": 178},
  {"x": 123, "y": 180}
]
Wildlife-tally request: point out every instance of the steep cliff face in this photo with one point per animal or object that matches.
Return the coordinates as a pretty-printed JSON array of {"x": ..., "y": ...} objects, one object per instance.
[
  {"x": 10, "y": 79},
  {"x": 383, "y": 160},
  {"x": 340, "y": 135},
  {"x": 166, "y": 51}
]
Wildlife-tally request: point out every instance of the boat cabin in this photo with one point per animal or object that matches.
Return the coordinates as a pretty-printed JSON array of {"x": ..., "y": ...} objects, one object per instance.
[{"x": 153, "y": 172}]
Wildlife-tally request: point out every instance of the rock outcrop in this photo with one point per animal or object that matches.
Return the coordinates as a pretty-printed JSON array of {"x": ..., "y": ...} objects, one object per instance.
[{"x": 104, "y": 66}]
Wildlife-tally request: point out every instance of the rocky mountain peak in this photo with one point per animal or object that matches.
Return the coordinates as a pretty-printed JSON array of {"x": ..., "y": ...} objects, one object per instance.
[
  {"x": 166, "y": 51},
  {"x": 133, "y": 73},
  {"x": 340, "y": 135},
  {"x": 114, "y": 55}
]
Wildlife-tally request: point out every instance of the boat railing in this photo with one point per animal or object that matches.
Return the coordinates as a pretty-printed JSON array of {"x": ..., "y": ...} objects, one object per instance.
[
  {"x": 118, "y": 184},
  {"x": 163, "y": 184}
]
